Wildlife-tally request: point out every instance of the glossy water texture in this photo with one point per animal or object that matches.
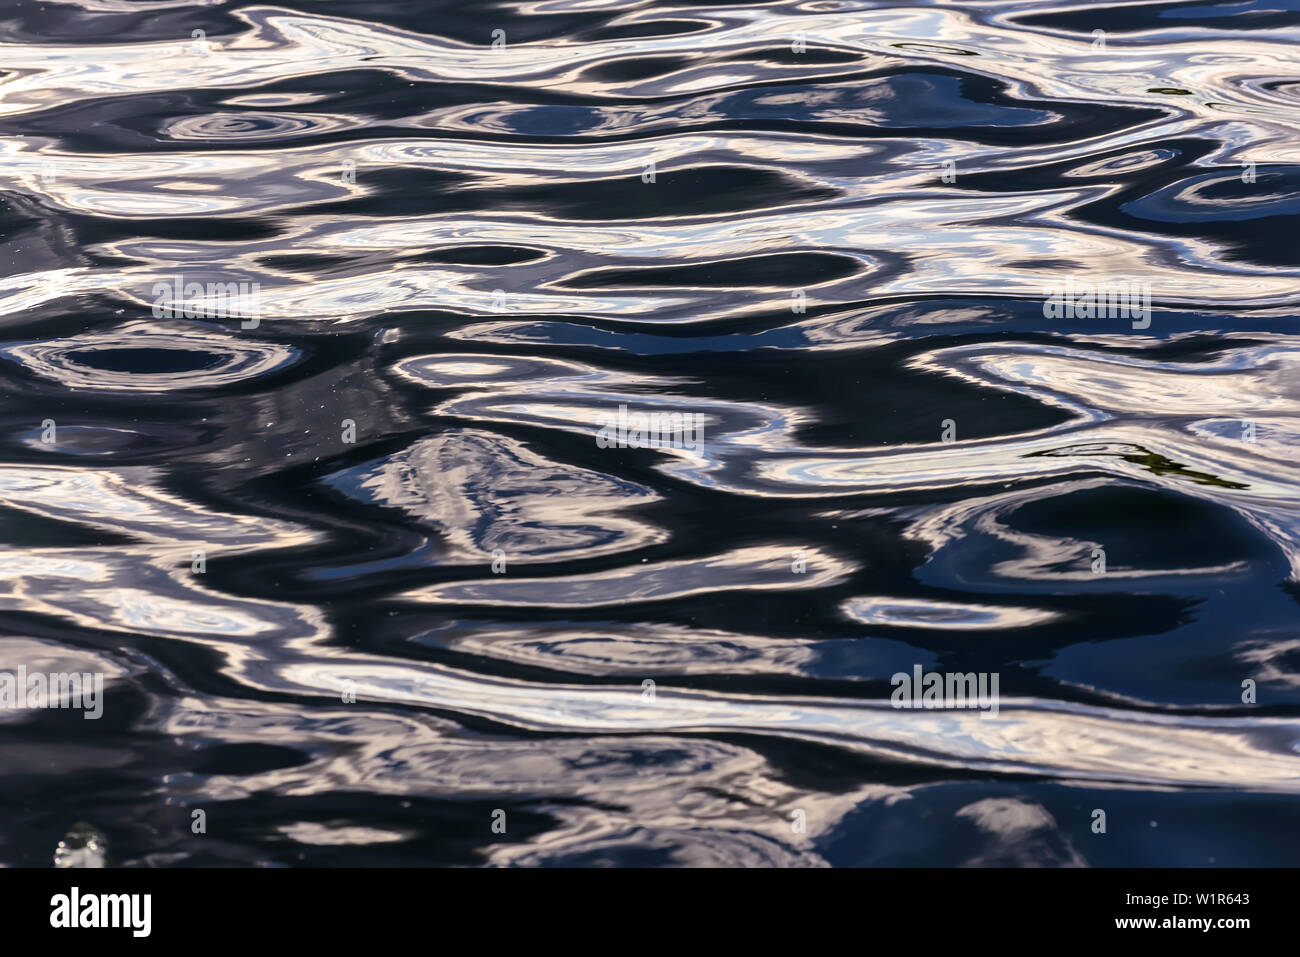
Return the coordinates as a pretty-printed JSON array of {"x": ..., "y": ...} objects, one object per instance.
[{"x": 464, "y": 264}]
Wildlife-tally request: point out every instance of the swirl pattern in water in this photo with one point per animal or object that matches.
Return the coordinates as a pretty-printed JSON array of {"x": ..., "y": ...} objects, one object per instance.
[{"x": 563, "y": 433}]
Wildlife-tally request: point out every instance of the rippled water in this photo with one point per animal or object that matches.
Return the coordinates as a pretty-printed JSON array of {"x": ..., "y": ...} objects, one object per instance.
[{"x": 364, "y": 586}]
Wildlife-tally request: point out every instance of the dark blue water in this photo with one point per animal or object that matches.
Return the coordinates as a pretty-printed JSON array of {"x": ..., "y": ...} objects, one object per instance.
[{"x": 980, "y": 325}]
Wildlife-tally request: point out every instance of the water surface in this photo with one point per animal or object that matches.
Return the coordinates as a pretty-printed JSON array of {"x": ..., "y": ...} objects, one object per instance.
[{"x": 360, "y": 579}]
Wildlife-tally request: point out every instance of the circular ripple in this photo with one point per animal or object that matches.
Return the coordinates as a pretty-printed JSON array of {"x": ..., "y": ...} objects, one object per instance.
[
  {"x": 459, "y": 370},
  {"x": 950, "y": 616},
  {"x": 153, "y": 359},
  {"x": 1222, "y": 196},
  {"x": 224, "y": 127}
]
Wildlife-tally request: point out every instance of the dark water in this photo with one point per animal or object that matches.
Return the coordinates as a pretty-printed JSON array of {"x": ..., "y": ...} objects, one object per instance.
[{"x": 839, "y": 261}]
